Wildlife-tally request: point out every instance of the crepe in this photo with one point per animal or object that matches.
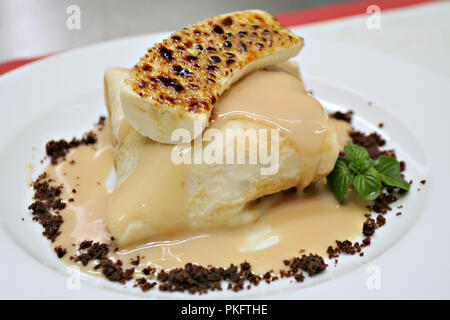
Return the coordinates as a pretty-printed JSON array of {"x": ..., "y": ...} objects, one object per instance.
[{"x": 154, "y": 197}]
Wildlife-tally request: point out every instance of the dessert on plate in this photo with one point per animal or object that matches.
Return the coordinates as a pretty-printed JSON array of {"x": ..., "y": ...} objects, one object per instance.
[{"x": 214, "y": 164}]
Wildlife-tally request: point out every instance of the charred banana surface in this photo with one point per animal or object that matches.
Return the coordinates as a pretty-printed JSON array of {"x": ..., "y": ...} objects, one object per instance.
[{"x": 179, "y": 80}]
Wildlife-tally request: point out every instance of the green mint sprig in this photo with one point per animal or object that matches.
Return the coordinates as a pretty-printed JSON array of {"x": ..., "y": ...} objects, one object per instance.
[{"x": 365, "y": 175}]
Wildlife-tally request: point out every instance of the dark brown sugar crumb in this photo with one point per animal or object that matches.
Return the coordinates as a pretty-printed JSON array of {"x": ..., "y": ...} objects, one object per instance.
[
  {"x": 382, "y": 203},
  {"x": 135, "y": 262},
  {"x": 58, "y": 149},
  {"x": 345, "y": 247},
  {"x": 369, "y": 227},
  {"x": 333, "y": 252},
  {"x": 372, "y": 143},
  {"x": 381, "y": 221},
  {"x": 402, "y": 166},
  {"x": 299, "y": 277},
  {"x": 47, "y": 205},
  {"x": 194, "y": 278},
  {"x": 85, "y": 244},
  {"x": 113, "y": 271},
  {"x": 60, "y": 251},
  {"x": 198, "y": 279},
  {"x": 95, "y": 251},
  {"x": 148, "y": 271},
  {"x": 312, "y": 264},
  {"x": 365, "y": 242},
  {"x": 144, "y": 284},
  {"x": 348, "y": 247},
  {"x": 345, "y": 116},
  {"x": 101, "y": 123}
]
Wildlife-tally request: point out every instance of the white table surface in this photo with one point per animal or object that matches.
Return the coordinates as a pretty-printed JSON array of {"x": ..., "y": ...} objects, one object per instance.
[{"x": 419, "y": 33}]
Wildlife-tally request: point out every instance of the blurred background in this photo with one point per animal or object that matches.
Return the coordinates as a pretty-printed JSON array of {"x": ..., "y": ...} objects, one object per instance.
[
  {"x": 35, "y": 27},
  {"x": 416, "y": 30}
]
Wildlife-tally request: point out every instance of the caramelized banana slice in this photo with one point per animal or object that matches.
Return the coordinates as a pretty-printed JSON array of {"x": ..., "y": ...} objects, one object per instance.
[{"x": 179, "y": 80}]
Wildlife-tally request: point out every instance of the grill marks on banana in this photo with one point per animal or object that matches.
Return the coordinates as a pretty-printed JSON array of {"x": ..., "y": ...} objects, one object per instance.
[{"x": 184, "y": 70}]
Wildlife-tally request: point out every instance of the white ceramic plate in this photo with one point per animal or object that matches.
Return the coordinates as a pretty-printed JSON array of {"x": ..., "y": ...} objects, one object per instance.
[{"x": 62, "y": 96}]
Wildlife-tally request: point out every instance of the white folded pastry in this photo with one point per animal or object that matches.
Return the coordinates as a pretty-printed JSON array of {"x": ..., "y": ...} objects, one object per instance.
[{"x": 155, "y": 197}]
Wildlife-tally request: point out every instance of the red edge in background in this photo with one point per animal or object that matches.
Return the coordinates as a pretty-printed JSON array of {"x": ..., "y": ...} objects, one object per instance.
[
  {"x": 13, "y": 64},
  {"x": 289, "y": 19},
  {"x": 340, "y": 10}
]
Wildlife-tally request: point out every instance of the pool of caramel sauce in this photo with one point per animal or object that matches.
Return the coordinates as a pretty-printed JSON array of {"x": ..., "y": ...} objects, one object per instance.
[{"x": 309, "y": 221}]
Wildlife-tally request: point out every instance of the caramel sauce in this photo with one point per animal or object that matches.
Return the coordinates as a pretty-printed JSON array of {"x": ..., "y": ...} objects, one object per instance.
[
  {"x": 310, "y": 220},
  {"x": 157, "y": 196}
]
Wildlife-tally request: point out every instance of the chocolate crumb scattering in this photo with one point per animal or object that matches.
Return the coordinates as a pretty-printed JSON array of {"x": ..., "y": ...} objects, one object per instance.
[
  {"x": 136, "y": 261},
  {"x": 312, "y": 264},
  {"x": 333, "y": 252},
  {"x": 60, "y": 251},
  {"x": 372, "y": 143},
  {"x": 149, "y": 271},
  {"x": 381, "y": 221},
  {"x": 366, "y": 242},
  {"x": 423, "y": 181},
  {"x": 345, "y": 247},
  {"x": 194, "y": 278},
  {"x": 58, "y": 149},
  {"x": 345, "y": 116},
  {"x": 348, "y": 247},
  {"x": 369, "y": 227},
  {"x": 101, "y": 123},
  {"x": 94, "y": 251},
  {"x": 382, "y": 203},
  {"x": 47, "y": 205},
  {"x": 144, "y": 284},
  {"x": 112, "y": 270}
]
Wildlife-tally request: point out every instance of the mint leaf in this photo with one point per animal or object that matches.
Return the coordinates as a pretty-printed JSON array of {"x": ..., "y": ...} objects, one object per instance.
[
  {"x": 359, "y": 170},
  {"x": 357, "y": 158},
  {"x": 360, "y": 166},
  {"x": 368, "y": 184},
  {"x": 339, "y": 179},
  {"x": 388, "y": 169},
  {"x": 355, "y": 153}
]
